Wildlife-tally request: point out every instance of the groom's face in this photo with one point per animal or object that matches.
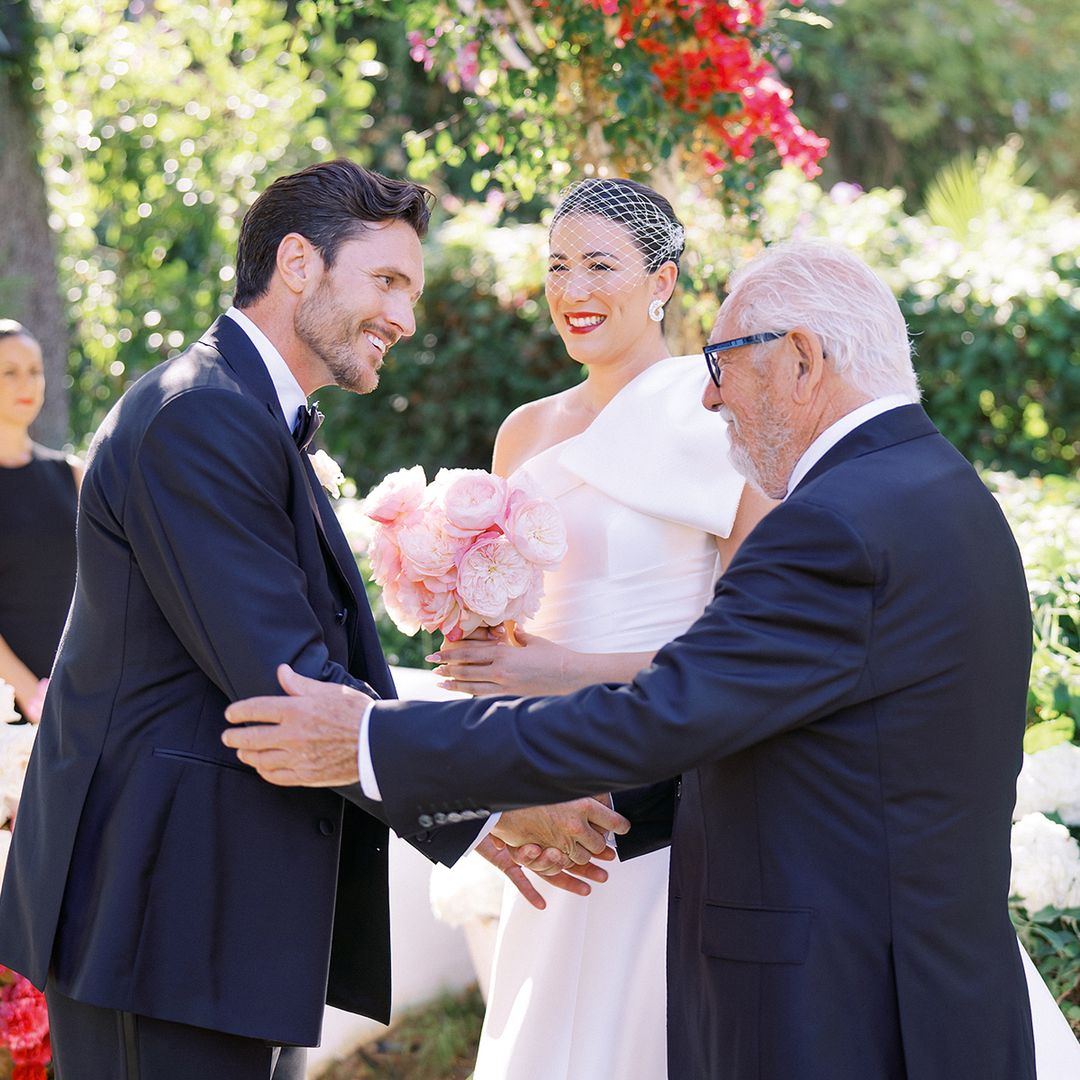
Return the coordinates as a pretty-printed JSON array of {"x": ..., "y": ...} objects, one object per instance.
[{"x": 361, "y": 305}]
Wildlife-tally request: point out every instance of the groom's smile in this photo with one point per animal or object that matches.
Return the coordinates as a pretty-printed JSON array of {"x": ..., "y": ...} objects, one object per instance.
[{"x": 365, "y": 297}]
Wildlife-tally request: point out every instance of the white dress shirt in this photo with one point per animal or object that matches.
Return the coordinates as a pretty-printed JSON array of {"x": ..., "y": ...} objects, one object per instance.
[
  {"x": 836, "y": 431},
  {"x": 290, "y": 396}
]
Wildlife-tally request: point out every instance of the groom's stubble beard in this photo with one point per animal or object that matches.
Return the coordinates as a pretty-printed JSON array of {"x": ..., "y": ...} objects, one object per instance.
[{"x": 335, "y": 338}]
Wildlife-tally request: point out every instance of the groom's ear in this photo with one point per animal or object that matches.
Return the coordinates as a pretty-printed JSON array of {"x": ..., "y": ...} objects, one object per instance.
[{"x": 298, "y": 262}]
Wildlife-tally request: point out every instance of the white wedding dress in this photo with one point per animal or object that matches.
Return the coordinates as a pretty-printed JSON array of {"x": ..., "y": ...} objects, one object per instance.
[{"x": 578, "y": 991}]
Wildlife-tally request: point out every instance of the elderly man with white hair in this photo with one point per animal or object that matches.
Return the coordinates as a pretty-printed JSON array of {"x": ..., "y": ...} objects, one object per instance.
[{"x": 843, "y": 723}]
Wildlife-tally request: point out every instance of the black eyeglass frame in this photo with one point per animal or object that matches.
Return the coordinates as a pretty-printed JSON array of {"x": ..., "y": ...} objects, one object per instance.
[{"x": 711, "y": 351}]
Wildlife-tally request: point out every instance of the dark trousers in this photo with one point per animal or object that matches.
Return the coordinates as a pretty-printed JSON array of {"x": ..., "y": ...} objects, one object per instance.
[{"x": 91, "y": 1043}]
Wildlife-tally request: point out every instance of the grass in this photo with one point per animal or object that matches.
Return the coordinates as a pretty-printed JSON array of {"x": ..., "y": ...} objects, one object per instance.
[{"x": 436, "y": 1042}]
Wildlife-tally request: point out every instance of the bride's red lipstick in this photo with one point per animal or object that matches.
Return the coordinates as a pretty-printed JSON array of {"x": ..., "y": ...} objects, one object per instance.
[{"x": 584, "y": 315}]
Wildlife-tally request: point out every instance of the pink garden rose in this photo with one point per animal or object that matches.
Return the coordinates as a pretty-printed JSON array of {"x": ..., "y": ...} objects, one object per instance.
[
  {"x": 399, "y": 494},
  {"x": 491, "y": 574},
  {"x": 428, "y": 549},
  {"x": 385, "y": 556},
  {"x": 536, "y": 529},
  {"x": 467, "y": 550},
  {"x": 528, "y": 603},
  {"x": 474, "y": 499}
]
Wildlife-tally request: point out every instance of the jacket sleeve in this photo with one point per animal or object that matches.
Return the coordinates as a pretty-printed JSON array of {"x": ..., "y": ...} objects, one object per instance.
[
  {"x": 206, "y": 517},
  {"x": 651, "y": 813},
  {"x": 782, "y": 643}
]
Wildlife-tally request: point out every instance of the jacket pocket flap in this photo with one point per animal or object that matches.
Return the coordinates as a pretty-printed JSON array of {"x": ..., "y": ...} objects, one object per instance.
[{"x": 756, "y": 935}]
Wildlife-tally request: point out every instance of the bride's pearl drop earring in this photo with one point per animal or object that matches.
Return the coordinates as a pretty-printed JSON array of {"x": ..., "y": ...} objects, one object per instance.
[{"x": 656, "y": 311}]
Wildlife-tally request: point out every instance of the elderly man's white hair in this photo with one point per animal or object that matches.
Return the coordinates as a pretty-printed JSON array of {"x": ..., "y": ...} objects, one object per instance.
[{"x": 826, "y": 288}]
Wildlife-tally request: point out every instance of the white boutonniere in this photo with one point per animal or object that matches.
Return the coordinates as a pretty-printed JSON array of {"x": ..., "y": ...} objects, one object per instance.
[{"x": 328, "y": 472}]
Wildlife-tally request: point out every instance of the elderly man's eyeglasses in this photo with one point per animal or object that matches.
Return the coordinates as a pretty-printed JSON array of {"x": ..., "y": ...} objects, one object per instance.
[{"x": 716, "y": 373}]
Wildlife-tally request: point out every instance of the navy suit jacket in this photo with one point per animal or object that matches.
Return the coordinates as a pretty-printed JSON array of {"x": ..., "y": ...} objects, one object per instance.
[
  {"x": 150, "y": 871},
  {"x": 846, "y": 718}
]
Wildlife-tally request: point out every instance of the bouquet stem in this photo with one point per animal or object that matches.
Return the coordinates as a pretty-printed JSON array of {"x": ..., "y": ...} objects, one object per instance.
[{"x": 510, "y": 626}]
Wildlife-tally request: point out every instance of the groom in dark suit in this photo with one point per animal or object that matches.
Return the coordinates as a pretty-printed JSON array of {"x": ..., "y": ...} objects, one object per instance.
[
  {"x": 845, "y": 719},
  {"x": 185, "y": 918}
]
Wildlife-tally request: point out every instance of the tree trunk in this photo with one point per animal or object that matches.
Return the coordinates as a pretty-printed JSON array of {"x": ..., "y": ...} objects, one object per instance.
[{"x": 29, "y": 288}]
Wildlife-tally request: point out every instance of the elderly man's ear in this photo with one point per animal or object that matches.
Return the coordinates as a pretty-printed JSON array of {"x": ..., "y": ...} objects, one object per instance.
[{"x": 809, "y": 363}]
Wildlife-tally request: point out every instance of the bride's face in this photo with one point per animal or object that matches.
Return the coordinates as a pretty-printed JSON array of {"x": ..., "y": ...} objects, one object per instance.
[{"x": 598, "y": 288}]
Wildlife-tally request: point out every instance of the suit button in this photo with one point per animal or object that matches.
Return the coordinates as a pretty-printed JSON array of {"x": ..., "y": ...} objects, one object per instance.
[
  {"x": 454, "y": 817},
  {"x": 341, "y": 616},
  {"x": 425, "y": 821},
  {"x": 483, "y": 814},
  {"x": 326, "y": 827},
  {"x": 468, "y": 815},
  {"x": 440, "y": 819}
]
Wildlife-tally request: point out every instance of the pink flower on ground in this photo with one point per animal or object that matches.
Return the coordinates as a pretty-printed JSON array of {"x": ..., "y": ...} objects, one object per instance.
[
  {"x": 24, "y": 1023},
  {"x": 475, "y": 499},
  {"x": 491, "y": 574},
  {"x": 536, "y": 529},
  {"x": 399, "y": 494}
]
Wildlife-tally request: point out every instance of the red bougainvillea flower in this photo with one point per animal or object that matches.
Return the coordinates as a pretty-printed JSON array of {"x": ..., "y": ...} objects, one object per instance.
[{"x": 708, "y": 63}]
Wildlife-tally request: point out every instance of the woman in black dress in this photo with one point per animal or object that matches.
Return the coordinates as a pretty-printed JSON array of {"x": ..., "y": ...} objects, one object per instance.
[{"x": 38, "y": 496}]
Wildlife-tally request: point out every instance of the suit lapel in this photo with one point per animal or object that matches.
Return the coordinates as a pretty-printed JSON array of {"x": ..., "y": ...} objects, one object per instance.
[
  {"x": 239, "y": 352},
  {"x": 335, "y": 545},
  {"x": 887, "y": 429}
]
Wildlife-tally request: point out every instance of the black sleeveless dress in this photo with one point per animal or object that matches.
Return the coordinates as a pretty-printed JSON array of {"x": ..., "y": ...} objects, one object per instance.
[{"x": 37, "y": 556}]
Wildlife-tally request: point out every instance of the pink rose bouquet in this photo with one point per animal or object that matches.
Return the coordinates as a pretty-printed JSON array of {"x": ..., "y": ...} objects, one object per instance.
[{"x": 467, "y": 550}]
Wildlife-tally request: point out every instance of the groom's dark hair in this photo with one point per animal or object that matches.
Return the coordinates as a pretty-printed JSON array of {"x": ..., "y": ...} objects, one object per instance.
[{"x": 328, "y": 203}]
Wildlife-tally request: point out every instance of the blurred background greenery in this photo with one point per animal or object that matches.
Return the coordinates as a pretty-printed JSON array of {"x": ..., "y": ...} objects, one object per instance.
[{"x": 137, "y": 134}]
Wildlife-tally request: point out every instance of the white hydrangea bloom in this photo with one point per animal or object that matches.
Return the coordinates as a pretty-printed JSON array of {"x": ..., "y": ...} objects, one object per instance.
[
  {"x": 16, "y": 742},
  {"x": 1049, "y": 783},
  {"x": 1045, "y": 864},
  {"x": 7, "y": 703},
  {"x": 5, "y": 844},
  {"x": 471, "y": 889}
]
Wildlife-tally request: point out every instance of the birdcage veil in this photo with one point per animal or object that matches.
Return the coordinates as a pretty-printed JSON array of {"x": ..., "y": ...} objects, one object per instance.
[{"x": 631, "y": 209}]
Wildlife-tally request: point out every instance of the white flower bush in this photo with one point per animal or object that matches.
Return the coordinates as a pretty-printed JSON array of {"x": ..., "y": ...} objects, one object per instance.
[
  {"x": 16, "y": 742},
  {"x": 7, "y": 703},
  {"x": 1046, "y": 864},
  {"x": 1049, "y": 783},
  {"x": 5, "y": 845}
]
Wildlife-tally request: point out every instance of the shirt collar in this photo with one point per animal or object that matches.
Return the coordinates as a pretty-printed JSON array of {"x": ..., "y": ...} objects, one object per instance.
[
  {"x": 289, "y": 394},
  {"x": 836, "y": 431}
]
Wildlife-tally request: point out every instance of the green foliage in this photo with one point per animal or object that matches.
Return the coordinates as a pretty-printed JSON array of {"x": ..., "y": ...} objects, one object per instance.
[
  {"x": 902, "y": 89},
  {"x": 436, "y": 1041},
  {"x": 1052, "y": 940},
  {"x": 547, "y": 90},
  {"x": 1042, "y": 513},
  {"x": 160, "y": 126},
  {"x": 992, "y": 299}
]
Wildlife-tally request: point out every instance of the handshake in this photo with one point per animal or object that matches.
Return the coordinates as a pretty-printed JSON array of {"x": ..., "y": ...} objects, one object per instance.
[{"x": 311, "y": 738}]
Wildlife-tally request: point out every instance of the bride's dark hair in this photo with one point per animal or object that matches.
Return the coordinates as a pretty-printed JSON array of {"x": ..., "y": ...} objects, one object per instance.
[{"x": 648, "y": 216}]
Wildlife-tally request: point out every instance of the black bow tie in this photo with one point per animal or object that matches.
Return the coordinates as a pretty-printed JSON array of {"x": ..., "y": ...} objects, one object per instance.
[{"x": 308, "y": 419}]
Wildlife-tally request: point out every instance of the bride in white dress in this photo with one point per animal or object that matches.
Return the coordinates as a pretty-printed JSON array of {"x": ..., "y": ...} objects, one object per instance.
[
  {"x": 653, "y": 510},
  {"x": 640, "y": 472}
]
